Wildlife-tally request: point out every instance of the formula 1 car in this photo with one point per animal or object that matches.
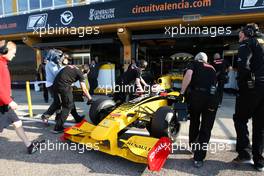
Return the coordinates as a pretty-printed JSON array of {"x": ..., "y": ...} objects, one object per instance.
[{"x": 106, "y": 132}]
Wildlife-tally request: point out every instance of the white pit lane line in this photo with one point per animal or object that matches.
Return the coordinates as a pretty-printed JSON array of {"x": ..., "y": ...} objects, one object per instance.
[{"x": 224, "y": 141}]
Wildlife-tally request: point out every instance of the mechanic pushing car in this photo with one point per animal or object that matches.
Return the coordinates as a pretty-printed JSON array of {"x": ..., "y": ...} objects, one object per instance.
[
  {"x": 201, "y": 77},
  {"x": 130, "y": 83},
  {"x": 63, "y": 96},
  {"x": 250, "y": 99},
  {"x": 57, "y": 61}
]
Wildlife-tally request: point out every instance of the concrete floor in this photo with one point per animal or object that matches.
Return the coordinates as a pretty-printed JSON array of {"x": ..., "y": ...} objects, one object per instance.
[{"x": 15, "y": 161}]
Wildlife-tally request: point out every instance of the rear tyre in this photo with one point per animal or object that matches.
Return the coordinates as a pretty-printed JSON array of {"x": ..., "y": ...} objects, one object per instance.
[
  {"x": 100, "y": 109},
  {"x": 164, "y": 124}
]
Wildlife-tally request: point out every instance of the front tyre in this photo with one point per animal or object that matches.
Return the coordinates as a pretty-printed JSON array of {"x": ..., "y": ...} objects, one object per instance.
[
  {"x": 164, "y": 124},
  {"x": 100, "y": 109}
]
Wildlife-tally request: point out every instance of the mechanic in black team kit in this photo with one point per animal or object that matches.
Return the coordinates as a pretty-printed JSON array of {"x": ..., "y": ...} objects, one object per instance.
[
  {"x": 58, "y": 60},
  {"x": 130, "y": 82},
  {"x": 250, "y": 99},
  {"x": 63, "y": 96},
  {"x": 201, "y": 77}
]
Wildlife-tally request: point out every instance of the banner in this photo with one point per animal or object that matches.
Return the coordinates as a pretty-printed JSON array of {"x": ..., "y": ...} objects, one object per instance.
[
  {"x": 121, "y": 11},
  {"x": 252, "y": 4}
]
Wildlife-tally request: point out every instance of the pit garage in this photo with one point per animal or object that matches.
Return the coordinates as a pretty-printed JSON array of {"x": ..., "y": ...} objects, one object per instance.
[{"x": 133, "y": 29}]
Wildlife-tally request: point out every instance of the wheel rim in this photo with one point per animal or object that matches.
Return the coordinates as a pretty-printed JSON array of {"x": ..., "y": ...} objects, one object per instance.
[{"x": 173, "y": 126}]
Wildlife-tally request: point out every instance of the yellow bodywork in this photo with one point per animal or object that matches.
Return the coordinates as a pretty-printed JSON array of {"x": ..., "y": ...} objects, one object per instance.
[
  {"x": 166, "y": 81},
  {"x": 104, "y": 136},
  {"x": 104, "y": 91}
]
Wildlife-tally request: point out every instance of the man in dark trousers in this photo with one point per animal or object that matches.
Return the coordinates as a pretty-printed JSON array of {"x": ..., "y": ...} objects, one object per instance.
[
  {"x": 58, "y": 60},
  {"x": 7, "y": 104},
  {"x": 92, "y": 76},
  {"x": 201, "y": 77},
  {"x": 63, "y": 96},
  {"x": 250, "y": 99},
  {"x": 220, "y": 66},
  {"x": 130, "y": 82}
]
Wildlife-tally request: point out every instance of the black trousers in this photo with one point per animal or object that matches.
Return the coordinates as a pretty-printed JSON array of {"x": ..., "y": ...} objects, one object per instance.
[
  {"x": 250, "y": 104},
  {"x": 203, "y": 109},
  {"x": 45, "y": 93},
  {"x": 220, "y": 91},
  {"x": 56, "y": 105},
  {"x": 50, "y": 90},
  {"x": 93, "y": 83},
  {"x": 65, "y": 99}
]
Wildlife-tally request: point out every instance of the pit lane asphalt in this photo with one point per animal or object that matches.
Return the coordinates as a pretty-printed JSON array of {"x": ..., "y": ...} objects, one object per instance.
[{"x": 15, "y": 161}]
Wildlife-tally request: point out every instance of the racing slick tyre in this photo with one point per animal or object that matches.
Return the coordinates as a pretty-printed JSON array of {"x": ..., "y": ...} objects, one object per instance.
[
  {"x": 100, "y": 109},
  {"x": 164, "y": 124}
]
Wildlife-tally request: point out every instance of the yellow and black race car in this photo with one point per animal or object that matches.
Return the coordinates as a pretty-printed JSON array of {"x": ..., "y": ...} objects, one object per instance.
[{"x": 157, "y": 113}]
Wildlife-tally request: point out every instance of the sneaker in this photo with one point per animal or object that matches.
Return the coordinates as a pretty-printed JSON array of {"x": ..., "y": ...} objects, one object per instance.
[
  {"x": 45, "y": 119},
  {"x": 34, "y": 146},
  {"x": 259, "y": 167},
  {"x": 198, "y": 164},
  {"x": 243, "y": 160}
]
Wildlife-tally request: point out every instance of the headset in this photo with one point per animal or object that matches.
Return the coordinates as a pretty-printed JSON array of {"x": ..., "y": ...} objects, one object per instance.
[
  {"x": 55, "y": 56},
  {"x": 4, "y": 49}
]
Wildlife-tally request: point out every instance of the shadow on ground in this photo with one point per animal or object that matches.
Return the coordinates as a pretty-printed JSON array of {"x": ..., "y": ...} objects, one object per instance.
[{"x": 94, "y": 161}]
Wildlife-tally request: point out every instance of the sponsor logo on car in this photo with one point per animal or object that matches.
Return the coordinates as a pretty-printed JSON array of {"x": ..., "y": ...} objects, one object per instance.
[
  {"x": 139, "y": 146},
  {"x": 159, "y": 154},
  {"x": 78, "y": 129},
  {"x": 115, "y": 114},
  {"x": 161, "y": 147}
]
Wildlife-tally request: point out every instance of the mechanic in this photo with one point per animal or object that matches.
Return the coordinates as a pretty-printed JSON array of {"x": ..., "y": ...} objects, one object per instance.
[
  {"x": 63, "y": 97},
  {"x": 250, "y": 99},
  {"x": 7, "y": 104},
  {"x": 130, "y": 83},
  {"x": 57, "y": 61},
  {"x": 93, "y": 76},
  {"x": 220, "y": 66},
  {"x": 201, "y": 77}
]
